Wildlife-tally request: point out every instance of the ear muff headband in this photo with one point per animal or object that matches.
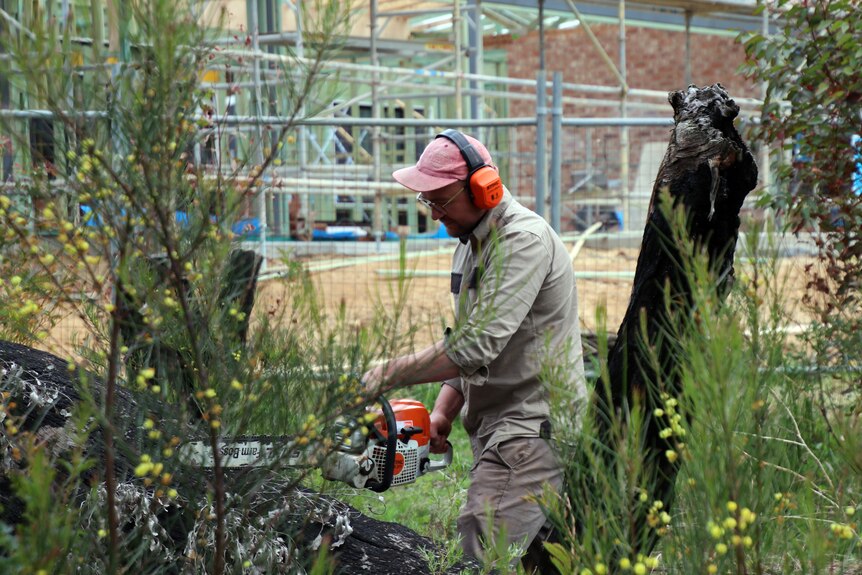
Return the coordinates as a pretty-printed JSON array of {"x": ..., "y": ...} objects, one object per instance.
[{"x": 483, "y": 181}]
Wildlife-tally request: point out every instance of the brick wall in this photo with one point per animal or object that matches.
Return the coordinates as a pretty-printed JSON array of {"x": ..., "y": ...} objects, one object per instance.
[{"x": 655, "y": 61}]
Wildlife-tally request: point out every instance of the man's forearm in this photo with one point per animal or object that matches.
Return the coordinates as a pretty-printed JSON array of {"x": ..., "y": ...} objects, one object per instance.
[
  {"x": 449, "y": 402},
  {"x": 429, "y": 365}
]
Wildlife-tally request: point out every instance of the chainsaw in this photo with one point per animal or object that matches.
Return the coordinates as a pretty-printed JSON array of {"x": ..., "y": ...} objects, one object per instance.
[{"x": 396, "y": 450}]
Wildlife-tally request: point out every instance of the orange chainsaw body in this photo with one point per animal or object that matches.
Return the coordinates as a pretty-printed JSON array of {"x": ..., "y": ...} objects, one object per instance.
[{"x": 413, "y": 428}]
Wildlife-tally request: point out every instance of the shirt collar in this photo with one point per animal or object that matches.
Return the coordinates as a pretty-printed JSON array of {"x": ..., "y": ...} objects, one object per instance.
[{"x": 489, "y": 221}]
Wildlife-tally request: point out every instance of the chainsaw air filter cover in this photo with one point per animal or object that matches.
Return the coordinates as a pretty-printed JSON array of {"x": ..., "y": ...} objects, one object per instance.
[
  {"x": 406, "y": 463},
  {"x": 413, "y": 426},
  {"x": 409, "y": 413}
]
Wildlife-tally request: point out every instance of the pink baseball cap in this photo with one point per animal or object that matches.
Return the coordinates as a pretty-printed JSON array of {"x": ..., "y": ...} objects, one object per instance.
[{"x": 439, "y": 165}]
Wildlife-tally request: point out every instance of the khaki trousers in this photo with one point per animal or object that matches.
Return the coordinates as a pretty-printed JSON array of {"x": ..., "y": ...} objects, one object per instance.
[{"x": 497, "y": 500}]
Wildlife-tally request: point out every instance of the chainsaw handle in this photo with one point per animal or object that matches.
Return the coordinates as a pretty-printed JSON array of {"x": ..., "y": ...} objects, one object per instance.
[
  {"x": 438, "y": 464},
  {"x": 391, "y": 447}
]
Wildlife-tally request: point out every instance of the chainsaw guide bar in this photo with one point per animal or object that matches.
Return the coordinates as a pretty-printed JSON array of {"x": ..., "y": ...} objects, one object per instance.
[{"x": 376, "y": 462}]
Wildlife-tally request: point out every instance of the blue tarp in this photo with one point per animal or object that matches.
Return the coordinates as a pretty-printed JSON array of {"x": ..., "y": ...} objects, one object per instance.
[
  {"x": 439, "y": 234},
  {"x": 246, "y": 226},
  {"x": 856, "y": 142}
]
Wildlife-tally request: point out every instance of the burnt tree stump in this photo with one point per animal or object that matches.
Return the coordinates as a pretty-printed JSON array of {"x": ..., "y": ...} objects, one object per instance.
[{"x": 709, "y": 170}]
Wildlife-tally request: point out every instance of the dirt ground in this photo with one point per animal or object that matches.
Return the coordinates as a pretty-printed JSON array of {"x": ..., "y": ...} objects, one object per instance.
[
  {"x": 368, "y": 287},
  {"x": 366, "y": 290}
]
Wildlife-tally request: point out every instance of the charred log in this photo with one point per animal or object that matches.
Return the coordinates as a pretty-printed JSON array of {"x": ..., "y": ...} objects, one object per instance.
[
  {"x": 286, "y": 523},
  {"x": 709, "y": 170}
]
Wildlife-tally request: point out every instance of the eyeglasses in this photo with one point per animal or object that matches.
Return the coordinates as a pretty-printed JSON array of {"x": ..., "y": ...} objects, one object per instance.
[{"x": 435, "y": 206}]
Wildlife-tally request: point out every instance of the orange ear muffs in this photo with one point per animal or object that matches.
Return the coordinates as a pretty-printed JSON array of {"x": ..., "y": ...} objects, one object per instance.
[{"x": 483, "y": 181}]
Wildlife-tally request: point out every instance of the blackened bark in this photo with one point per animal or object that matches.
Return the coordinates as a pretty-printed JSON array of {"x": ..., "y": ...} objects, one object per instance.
[
  {"x": 45, "y": 392},
  {"x": 709, "y": 170}
]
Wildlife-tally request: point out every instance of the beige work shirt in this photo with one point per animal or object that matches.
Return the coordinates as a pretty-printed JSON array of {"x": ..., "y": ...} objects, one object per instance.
[{"x": 516, "y": 323}]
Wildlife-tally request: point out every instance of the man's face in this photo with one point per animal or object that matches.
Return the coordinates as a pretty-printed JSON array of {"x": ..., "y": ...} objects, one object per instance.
[{"x": 451, "y": 205}]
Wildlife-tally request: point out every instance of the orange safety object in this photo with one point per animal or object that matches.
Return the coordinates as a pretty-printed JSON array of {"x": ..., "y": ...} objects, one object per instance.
[{"x": 408, "y": 413}]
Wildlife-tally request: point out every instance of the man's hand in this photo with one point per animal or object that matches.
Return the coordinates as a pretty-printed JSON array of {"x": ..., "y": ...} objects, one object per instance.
[
  {"x": 440, "y": 429},
  {"x": 372, "y": 381}
]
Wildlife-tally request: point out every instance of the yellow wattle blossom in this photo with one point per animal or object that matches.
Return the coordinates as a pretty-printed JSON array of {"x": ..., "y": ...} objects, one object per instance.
[
  {"x": 665, "y": 517},
  {"x": 601, "y": 569},
  {"x": 842, "y": 531},
  {"x": 369, "y": 417},
  {"x": 732, "y": 506},
  {"x": 144, "y": 468},
  {"x": 714, "y": 530},
  {"x": 671, "y": 455},
  {"x": 730, "y": 523},
  {"x": 720, "y": 548},
  {"x": 625, "y": 564}
]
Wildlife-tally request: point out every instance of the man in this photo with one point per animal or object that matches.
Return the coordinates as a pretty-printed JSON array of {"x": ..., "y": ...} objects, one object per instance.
[{"x": 515, "y": 320}]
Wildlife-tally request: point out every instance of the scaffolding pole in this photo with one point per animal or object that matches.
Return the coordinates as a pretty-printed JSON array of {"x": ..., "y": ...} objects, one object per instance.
[
  {"x": 477, "y": 62},
  {"x": 304, "y": 212},
  {"x": 541, "y": 159},
  {"x": 556, "y": 149},
  {"x": 459, "y": 79},
  {"x": 375, "y": 130},
  {"x": 452, "y": 76},
  {"x": 624, "y": 130}
]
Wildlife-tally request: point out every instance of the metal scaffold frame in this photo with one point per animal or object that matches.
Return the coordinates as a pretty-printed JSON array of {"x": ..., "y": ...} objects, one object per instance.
[{"x": 383, "y": 87}]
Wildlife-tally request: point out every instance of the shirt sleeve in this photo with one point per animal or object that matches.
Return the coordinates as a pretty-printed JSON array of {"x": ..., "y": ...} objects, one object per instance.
[
  {"x": 513, "y": 270},
  {"x": 455, "y": 383}
]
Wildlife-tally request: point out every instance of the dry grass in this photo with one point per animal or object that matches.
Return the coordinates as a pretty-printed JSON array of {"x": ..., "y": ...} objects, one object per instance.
[{"x": 428, "y": 307}]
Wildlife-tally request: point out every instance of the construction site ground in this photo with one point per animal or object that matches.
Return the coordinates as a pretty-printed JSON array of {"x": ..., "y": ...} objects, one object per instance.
[
  {"x": 423, "y": 306},
  {"x": 367, "y": 290}
]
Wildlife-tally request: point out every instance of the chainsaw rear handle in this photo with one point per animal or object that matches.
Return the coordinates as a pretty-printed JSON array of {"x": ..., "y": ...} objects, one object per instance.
[
  {"x": 391, "y": 448},
  {"x": 438, "y": 464}
]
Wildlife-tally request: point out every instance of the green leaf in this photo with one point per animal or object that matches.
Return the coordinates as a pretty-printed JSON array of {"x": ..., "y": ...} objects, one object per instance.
[{"x": 560, "y": 557}]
